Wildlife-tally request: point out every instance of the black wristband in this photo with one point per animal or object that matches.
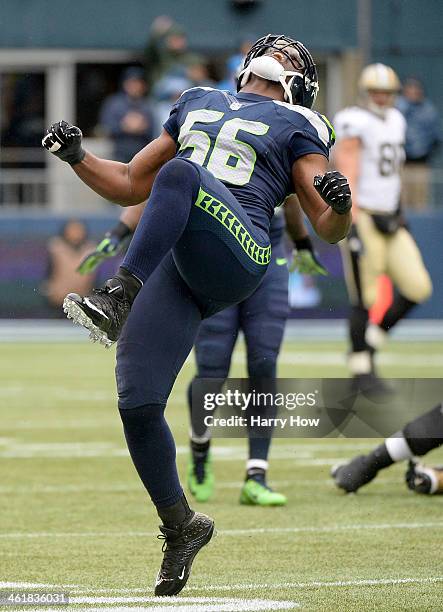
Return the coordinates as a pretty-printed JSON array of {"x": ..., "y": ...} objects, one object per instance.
[
  {"x": 121, "y": 231},
  {"x": 303, "y": 244}
]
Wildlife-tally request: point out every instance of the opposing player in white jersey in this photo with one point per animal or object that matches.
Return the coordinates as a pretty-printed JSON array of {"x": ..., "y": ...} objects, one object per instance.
[{"x": 370, "y": 140}]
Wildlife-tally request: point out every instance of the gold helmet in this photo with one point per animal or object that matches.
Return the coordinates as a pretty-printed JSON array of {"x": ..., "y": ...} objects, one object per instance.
[
  {"x": 378, "y": 85},
  {"x": 378, "y": 77}
]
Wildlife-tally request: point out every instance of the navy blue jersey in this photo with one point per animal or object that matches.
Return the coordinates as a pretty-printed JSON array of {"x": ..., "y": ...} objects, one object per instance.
[{"x": 249, "y": 142}]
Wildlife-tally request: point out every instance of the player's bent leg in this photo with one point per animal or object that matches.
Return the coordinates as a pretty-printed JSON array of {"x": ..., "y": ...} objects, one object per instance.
[
  {"x": 154, "y": 343},
  {"x": 164, "y": 219},
  {"x": 363, "y": 260},
  {"x": 418, "y": 437},
  {"x": 407, "y": 269},
  {"x": 263, "y": 317},
  {"x": 213, "y": 349}
]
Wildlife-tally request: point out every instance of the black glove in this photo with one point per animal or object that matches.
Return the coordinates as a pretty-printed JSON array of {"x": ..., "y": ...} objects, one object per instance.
[
  {"x": 335, "y": 191},
  {"x": 65, "y": 142}
]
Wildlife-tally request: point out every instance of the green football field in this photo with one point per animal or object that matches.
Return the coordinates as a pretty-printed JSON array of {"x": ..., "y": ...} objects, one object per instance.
[{"x": 74, "y": 517}]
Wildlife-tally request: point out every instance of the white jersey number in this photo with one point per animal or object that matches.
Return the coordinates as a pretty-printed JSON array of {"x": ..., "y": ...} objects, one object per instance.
[
  {"x": 231, "y": 160},
  {"x": 391, "y": 158}
]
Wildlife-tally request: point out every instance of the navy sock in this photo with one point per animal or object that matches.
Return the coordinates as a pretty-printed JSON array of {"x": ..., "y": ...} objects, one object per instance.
[
  {"x": 152, "y": 450},
  {"x": 164, "y": 219},
  {"x": 257, "y": 474},
  {"x": 260, "y": 437}
]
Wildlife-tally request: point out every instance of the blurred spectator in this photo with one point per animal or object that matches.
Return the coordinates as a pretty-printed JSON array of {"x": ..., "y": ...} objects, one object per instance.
[
  {"x": 167, "y": 50},
  {"x": 166, "y": 92},
  {"x": 198, "y": 74},
  {"x": 127, "y": 116},
  {"x": 65, "y": 252},
  {"x": 169, "y": 88},
  {"x": 235, "y": 63},
  {"x": 423, "y": 136}
]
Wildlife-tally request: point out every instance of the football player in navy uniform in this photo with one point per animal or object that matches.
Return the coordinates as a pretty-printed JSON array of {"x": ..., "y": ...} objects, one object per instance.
[
  {"x": 213, "y": 177},
  {"x": 261, "y": 318}
]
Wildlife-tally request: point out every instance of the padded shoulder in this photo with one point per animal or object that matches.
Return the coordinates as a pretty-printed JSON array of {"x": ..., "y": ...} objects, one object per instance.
[
  {"x": 308, "y": 120},
  {"x": 194, "y": 93},
  {"x": 351, "y": 122}
]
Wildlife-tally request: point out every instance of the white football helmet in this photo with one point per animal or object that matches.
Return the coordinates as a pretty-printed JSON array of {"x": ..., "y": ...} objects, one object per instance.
[{"x": 378, "y": 79}]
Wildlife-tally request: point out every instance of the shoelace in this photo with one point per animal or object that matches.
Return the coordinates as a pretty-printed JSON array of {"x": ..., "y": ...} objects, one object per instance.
[{"x": 171, "y": 558}]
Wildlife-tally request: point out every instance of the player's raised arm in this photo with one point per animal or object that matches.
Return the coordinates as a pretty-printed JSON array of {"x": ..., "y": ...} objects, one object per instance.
[
  {"x": 124, "y": 184},
  {"x": 324, "y": 196}
]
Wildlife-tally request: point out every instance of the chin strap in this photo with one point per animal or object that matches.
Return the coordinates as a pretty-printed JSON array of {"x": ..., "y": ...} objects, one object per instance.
[{"x": 269, "y": 68}]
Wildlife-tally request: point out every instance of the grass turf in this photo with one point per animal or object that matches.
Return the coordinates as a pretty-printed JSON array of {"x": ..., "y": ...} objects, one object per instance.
[{"x": 72, "y": 510}]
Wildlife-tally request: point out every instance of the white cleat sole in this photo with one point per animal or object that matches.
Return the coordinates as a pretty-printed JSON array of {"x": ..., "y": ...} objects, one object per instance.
[{"x": 79, "y": 317}]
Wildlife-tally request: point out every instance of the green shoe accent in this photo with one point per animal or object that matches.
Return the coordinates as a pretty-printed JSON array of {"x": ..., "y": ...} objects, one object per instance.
[
  {"x": 255, "y": 494},
  {"x": 202, "y": 491}
]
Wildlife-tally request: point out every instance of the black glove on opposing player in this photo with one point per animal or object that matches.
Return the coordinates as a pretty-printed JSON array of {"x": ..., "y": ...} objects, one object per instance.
[
  {"x": 335, "y": 191},
  {"x": 65, "y": 142}
]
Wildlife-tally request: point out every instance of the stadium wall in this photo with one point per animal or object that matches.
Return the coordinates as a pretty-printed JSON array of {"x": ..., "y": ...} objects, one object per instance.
[
  {"x": 405, "y": 33},
  {"x": 24, "y": 262},
  {"x": 121, "y": 25}
]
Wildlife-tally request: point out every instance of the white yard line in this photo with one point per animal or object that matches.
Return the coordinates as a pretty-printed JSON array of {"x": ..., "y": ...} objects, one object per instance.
[
  {"x": 196, "y": 604},
  {"x": 226, "y": 532},
  {"x": 35, "y": 585},
  {"x": 177, "y": 604},
  {"x": 319, "y": 584},
  {"x": 316, "y": 584}
]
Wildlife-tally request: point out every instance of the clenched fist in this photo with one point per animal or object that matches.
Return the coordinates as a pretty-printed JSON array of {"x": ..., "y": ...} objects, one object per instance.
[
  {"x": 335, "y": 191},
  {"x": 65, "y": 142}
]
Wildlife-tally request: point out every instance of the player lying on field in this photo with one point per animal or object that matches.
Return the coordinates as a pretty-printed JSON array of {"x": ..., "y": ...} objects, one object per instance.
[
  {"x": 213, "y": 177},
  {"x": 417, "y": 438}
]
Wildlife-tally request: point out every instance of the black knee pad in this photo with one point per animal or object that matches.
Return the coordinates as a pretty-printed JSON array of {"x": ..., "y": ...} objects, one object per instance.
[{"x": 425, "y": 433}]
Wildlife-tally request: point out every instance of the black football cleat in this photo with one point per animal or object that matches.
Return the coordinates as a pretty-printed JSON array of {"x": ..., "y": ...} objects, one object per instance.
[
  {"x": 353, "y": 475},
  {"x": 180, "y": 547},
  {"x": 103, "y": 313},
  {"x": 371, "y": 386}
]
